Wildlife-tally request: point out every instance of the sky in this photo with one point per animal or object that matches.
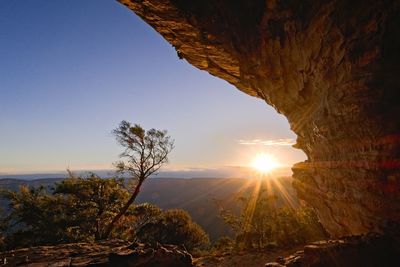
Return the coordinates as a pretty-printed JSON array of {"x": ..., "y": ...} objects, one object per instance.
[{"x": 71, "y": 70}]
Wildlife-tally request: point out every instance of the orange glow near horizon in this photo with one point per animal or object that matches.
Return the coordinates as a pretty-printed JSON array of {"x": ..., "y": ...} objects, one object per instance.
[{"x": 264, "y": 163}]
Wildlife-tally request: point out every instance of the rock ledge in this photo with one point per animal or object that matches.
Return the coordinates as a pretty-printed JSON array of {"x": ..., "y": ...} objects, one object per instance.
[{"x": 107, "y": 253}]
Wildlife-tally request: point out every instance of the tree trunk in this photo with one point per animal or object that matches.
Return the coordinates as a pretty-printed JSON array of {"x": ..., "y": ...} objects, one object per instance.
[{"x": 123, "y": 210}]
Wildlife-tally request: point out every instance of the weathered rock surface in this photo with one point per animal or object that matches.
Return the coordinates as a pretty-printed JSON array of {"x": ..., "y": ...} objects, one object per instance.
[
  {"x": 331, "y": 67},
  {"x": 149, "y": 256},
  {"x": 102, "y": 254},
  {"x": 363, "y": 251}
]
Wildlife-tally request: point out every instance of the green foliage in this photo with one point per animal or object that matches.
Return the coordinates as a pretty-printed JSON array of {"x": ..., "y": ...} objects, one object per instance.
[
  {"x": 173, "y": 226},
  {"x": 142, "y": 215},
  {"x": 261, "y": 224},
  {"x": 77, "y": 209},
  {"x": 36, "y": 217},
  {"x": 94, "y": 200}
]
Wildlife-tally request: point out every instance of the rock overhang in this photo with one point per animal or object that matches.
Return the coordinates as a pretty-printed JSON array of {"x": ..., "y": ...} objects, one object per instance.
[{"x": 331, "y": 67}]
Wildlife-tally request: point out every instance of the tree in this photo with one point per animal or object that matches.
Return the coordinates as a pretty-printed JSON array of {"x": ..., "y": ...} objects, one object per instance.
[
  {"x": 36, "y": 217},
  {"x": 95, "y": 201},
  {"x": 145, "y": 153},
  {"x": 76, "y": 209}
]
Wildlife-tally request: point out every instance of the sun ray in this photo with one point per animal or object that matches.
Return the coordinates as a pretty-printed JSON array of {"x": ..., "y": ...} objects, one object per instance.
[
  {"x": 252, "y": 206},
  {"x": 240, "y": 192},
  {"x": 283, "y": 192},
  {"x": 269, "y": 188},
  {"x": 210, "y": 192}
]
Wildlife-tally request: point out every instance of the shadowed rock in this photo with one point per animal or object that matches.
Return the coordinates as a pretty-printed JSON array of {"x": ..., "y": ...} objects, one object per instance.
[
  {"x": 331, "y": 67},
  {"x": 362, "y": 251}
]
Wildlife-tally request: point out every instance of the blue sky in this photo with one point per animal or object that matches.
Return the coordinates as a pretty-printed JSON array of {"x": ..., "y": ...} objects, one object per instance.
[{"x": 71, "y": 70}]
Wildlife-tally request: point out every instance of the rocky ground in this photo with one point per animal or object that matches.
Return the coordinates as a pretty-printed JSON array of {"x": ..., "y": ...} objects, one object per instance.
[
  {"x": 365, "y": 251},
  {"x": 242, "y": 259},
  {"x": 108, "y": 253}
]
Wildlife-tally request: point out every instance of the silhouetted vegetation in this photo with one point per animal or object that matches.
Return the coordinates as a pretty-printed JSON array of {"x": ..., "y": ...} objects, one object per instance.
[
  {"x": 262, "y": 224},
  {"x": 3, "y": 228}
]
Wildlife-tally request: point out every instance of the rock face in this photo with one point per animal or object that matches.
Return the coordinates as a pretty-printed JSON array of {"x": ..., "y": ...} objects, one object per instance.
[
  {"x": 331, "y": 67},
  {"x": 365, "y": 251},
  {"x": 101, "y": 254}
]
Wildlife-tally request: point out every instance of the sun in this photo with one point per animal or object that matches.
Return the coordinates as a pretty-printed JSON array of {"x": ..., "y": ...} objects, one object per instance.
[{"x": 264, "y": 163}]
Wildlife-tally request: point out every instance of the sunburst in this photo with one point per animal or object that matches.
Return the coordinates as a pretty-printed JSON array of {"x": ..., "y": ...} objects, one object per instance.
[{"x": 264, "y": 163}]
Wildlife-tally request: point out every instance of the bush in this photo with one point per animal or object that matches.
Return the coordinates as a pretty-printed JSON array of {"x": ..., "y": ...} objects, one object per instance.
[{"x": 175, "y": 227}]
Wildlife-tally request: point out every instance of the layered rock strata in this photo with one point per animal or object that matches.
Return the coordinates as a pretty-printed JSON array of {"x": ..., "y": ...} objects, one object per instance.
[{"x": 331, "y": 67}]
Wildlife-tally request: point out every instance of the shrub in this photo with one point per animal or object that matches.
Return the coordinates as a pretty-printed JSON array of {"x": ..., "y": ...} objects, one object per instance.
[{"x": 175, "y": 227}]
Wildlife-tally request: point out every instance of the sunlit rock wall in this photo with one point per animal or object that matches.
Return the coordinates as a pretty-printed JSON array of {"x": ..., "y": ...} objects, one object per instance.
[{"x": 331, "y": 67}]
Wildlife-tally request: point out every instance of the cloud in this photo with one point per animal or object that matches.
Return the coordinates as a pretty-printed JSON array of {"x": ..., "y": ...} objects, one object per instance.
[{"x": 268, "y": 142}]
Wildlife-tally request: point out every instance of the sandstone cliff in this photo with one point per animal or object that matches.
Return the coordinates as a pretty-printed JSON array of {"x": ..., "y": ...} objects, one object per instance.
[{"x": 331, "y": 67}]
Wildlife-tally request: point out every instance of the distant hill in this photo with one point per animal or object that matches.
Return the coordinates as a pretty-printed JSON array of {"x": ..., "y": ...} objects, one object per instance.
[
  {"x": 14, "y": 184},
  {"x": 199, "y": 196}
]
